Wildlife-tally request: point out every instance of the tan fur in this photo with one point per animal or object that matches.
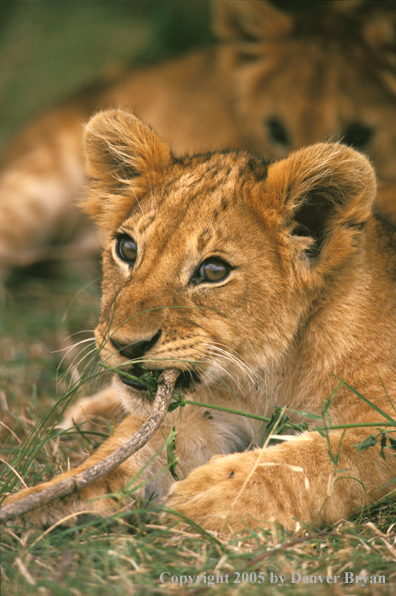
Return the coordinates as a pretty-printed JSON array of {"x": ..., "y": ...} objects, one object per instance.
[
  {"x": 317, "y": 73},
  {"x": 310, "y": 294}
]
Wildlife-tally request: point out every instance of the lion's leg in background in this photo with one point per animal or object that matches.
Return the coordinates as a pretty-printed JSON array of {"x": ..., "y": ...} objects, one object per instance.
[{"x": 40, "y": 184}]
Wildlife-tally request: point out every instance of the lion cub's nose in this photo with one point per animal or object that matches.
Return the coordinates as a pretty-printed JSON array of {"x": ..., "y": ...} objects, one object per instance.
[{"x": 136, "y": 349}]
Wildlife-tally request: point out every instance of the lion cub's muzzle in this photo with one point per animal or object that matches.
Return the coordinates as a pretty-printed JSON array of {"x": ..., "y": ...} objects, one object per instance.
[{"x": 136, "y": 351}]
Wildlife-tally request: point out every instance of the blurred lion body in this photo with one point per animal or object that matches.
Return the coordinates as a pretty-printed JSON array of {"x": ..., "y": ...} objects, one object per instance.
[
  {"x": 265, "y": 284},
  {"x": 278, "y": 81}
]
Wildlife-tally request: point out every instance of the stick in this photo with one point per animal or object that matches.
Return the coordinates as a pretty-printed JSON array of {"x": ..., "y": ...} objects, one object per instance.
[{"x": 166, "y": 384}]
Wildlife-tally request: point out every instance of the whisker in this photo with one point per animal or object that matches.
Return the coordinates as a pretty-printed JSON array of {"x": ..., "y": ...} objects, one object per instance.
[
  {"x": 67, "y": 337},
  {"x": 73, "y": 365},
  {"x": 68, "y": 348},
  {"x": 227, "y": 373},
  {"x": 247, "y": 371},
  {"x": 83, "y": 357},
  {"x": 66, "y": 357}
]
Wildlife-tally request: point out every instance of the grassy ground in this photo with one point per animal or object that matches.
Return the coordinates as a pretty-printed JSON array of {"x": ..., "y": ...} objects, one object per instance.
[{"x": 47, "y": 49}]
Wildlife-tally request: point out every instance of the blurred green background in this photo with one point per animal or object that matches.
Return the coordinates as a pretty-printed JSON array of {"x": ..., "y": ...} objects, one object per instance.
[{"x": 50, "y": 48}]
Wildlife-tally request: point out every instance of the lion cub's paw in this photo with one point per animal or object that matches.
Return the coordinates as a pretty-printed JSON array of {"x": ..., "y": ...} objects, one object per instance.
[
  {"x": 64, "y": 510},
  {"x": 214, "y": 495},
  {"x": 68, "y": 510}
]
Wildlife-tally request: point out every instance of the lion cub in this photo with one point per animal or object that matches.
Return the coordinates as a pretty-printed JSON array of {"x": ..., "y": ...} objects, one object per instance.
[{"x": 265, "y": 283}]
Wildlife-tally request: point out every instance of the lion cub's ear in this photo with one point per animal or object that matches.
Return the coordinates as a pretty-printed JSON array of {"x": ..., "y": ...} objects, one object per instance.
[
  {"x": 249, "y": 21},
  {"x": 323, "y": 195},
  {"x": 123, "y": 157},
  {"x": 244, "y": 26}
]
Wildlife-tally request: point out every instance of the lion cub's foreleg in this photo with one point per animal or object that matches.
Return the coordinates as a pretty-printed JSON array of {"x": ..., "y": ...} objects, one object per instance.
[
  {"x": 199, "y": 437},
  {"x": 294, "y": 483}
]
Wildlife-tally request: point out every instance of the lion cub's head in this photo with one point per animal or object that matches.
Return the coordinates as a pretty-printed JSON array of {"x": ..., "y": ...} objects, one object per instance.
[{"x": 212, "y": 262}]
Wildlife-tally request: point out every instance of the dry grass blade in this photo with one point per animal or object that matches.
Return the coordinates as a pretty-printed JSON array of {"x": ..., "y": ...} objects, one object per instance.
[{"x": 166, "y": 384}]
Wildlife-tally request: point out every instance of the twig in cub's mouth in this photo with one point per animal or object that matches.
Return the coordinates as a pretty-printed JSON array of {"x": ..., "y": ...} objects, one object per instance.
[{"x": 166, "y": 384}]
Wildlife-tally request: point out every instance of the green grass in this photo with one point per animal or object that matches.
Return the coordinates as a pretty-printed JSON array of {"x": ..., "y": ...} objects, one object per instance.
[
  {"x": 48, "y": 49},
  {"x": 97, "y": 561}
]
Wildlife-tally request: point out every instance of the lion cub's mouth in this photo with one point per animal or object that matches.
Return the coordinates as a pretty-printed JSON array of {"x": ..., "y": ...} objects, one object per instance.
[{"x": 184, "y": 381}]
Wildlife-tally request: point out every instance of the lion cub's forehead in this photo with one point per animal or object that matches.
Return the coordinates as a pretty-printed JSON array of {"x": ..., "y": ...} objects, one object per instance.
[
  {"x": 195, "y": 197},
  {"x": 199, "y": 194},
  {"x": 204, "y": 181},
  {"x": 212, "y": 182}
]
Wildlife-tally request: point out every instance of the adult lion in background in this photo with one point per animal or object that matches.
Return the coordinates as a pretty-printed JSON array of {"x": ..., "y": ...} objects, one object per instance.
[
  {"x": 263, "y": 283},
  {"x": 279, "y": 80}
]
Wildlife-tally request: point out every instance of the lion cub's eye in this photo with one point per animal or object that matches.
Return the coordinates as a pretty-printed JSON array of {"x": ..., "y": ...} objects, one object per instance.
[
  {"x": 213, "y": 270},
  {"x": 126, "y": 249}
]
